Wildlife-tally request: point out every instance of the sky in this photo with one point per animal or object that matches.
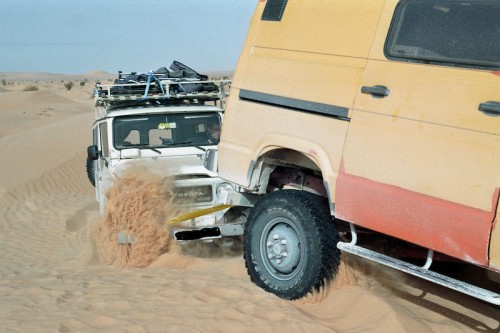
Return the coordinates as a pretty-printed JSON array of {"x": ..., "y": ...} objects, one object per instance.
[{"x": 80, "y": 36}]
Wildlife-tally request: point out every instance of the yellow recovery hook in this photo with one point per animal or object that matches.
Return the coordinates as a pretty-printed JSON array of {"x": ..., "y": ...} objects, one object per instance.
[{"x": 198, "y": 213}]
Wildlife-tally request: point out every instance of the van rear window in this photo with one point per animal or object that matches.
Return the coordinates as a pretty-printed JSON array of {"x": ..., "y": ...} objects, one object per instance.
[{"x": 446, "y": 32}]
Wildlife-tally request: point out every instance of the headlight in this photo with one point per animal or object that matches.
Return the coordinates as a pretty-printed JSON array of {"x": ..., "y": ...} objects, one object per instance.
[{"x": 224, "y": 188}]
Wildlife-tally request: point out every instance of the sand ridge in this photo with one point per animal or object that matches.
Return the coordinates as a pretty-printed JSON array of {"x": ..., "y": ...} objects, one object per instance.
[{"x": 52, "y": 278}]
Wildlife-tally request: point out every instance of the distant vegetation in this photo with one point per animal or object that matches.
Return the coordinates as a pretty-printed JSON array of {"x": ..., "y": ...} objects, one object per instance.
[
  {"x": 68, "y": 85},
  {"x": 4, "y": 83},
  {"x": 30, "y": 87},
  {"x": 216, "y": 78}
]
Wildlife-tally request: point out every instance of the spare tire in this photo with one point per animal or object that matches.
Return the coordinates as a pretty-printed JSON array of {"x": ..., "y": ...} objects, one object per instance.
[{"x": 91, "y": 171}]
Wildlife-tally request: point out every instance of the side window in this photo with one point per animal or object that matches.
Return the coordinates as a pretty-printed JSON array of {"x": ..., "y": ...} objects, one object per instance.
[
  {"x": 446, "y": 32},
  {"x": 95, "y": 134},
  {"x": 103, "y": 129}
]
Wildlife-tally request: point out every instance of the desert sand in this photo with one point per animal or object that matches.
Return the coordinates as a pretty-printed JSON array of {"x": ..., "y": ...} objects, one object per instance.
[{"x": 57, "y": 274}]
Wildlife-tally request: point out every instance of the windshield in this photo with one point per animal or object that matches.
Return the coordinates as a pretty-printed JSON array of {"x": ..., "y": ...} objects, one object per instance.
[{"x": 166, "y": 130}]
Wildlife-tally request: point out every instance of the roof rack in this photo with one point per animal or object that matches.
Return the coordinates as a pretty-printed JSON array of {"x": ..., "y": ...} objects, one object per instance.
[{"x": 158, "y": 89}]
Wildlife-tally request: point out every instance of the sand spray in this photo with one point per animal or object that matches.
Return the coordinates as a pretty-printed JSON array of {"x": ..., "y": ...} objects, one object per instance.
[{"x": 139, "y": 204}]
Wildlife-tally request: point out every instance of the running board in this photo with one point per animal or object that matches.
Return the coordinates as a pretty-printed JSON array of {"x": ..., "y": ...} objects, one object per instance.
[{"x": 463, "y": 287}]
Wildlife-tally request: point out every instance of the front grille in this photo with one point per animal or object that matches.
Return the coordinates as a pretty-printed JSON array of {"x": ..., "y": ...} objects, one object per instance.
[{"x": 194, "y": 194}]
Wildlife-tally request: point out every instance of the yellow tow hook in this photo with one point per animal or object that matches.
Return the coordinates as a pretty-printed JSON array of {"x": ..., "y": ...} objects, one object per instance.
[
  {"x": 198, "y": 213},
  {"x": 126, "y": 238}
]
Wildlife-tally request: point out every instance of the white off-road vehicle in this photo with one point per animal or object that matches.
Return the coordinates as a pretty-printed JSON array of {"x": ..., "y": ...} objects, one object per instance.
[{"x": 162, "y": 120}]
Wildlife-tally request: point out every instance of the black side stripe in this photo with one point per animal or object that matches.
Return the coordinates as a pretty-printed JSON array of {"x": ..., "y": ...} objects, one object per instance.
[{"x": 295, "y": 104}]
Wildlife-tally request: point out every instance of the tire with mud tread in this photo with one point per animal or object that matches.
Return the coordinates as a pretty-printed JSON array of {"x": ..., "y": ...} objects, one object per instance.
[
  {"x": 290, "y": 244},
  {"x": 91, "y": 171}
]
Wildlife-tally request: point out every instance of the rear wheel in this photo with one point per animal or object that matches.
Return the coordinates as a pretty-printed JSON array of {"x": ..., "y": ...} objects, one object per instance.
[{"x": 290, "y": 244}]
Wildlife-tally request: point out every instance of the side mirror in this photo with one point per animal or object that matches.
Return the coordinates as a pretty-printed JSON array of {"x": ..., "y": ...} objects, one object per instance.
[
  {"x": 92, "y": 153},
  {"x": 210, "y": 161}
]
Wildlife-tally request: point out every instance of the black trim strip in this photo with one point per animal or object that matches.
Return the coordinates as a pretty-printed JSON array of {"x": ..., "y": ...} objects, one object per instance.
[{"x": 295, "y": 104}]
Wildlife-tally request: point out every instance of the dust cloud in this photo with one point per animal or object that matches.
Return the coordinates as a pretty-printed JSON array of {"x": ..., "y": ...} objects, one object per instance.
[{"x": 138, "y": 205}]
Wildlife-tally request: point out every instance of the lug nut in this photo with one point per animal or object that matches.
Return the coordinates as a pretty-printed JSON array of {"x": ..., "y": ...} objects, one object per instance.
[
  {"x": 283, "y": 242},
  {"x": 275, "y": 236},
  {"x": 269, "y": 244}
]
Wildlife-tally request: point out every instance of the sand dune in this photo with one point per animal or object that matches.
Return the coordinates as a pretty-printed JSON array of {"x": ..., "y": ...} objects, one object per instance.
[
  {"x": 52, "y": 278},
  {"x": 22, "y": 111},
  {"x": 43, "y": 76},
  {"x": 19, "y": 99}
]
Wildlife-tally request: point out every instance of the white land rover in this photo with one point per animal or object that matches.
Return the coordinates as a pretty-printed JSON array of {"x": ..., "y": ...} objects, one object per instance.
[{"x": 164, "y": 123}]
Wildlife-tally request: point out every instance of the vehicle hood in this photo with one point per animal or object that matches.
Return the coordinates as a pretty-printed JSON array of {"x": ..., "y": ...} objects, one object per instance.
[{"x": 167, "y": 166}]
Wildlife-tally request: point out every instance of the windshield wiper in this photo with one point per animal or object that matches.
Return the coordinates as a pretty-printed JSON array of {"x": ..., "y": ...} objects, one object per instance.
[
  {"x": 144, "y": 146},
  {"x": 155, "y": 150},
  {"x": 190, "y": 143}
]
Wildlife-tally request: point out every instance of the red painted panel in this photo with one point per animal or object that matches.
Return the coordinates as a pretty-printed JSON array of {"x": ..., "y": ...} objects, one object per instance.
[{"x": 456, "y": 230}]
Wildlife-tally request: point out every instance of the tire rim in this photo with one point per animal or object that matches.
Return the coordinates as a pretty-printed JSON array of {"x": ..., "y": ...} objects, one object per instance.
[{"x": 281, "y": 249}]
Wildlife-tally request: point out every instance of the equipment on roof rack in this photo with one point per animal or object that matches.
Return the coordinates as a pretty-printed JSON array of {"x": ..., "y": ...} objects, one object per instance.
[{"x": 161, "y": 87}]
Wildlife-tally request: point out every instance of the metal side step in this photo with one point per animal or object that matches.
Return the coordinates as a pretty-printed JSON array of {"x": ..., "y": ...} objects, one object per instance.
[{"x": 463, "y": 287}]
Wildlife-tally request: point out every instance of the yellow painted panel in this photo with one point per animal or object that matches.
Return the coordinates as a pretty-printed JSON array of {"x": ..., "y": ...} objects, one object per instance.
[
  {"x": 446, "y": 163},
  {"x": 427, "y": 136},
  {"x": 247, "y": 47},
  {"x": 377, "y": 50},
  {"x": 234, "y": 162},
  {"x": 335, "y": 27},
  {"x": 319, "y": 78},
  {"x": 320, "y": 138},
  {"x": 433, "y": 94}
]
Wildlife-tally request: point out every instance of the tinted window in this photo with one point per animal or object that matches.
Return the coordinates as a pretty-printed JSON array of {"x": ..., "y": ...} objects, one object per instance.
[
  {"x": 458, "y": 33},
  {"x": 103, "y": 129}
]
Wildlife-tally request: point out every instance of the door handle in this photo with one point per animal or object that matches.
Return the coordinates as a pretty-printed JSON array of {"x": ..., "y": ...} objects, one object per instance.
[
  {"x": 490, "y": 108},
  {"x": 376, "y": 91}
]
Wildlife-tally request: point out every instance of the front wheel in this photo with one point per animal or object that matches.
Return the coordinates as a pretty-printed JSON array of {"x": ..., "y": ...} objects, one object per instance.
[
  {"x": 290, "y": 244},
  {"x": 90, "y": 167}
]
